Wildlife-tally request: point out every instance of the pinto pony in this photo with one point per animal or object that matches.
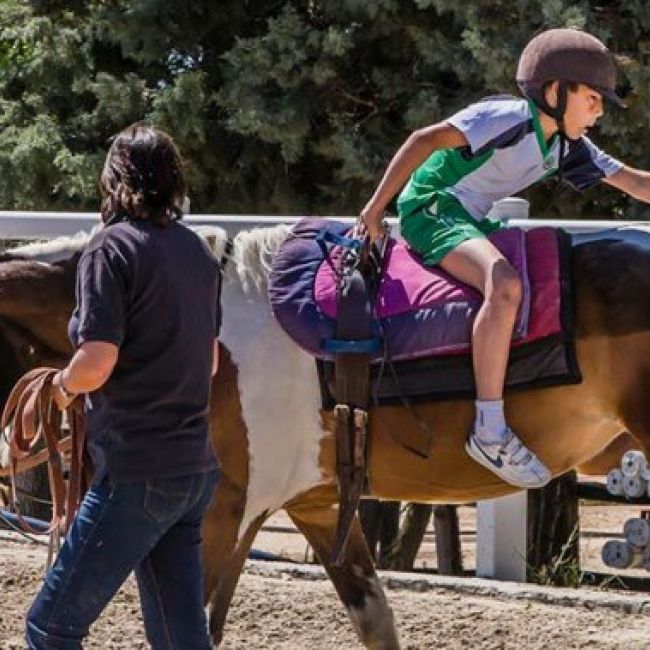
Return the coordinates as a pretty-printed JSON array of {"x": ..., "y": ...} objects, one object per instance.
[
  {"x": 277, "y": 447},
  {"x": 275, "y": 443}
]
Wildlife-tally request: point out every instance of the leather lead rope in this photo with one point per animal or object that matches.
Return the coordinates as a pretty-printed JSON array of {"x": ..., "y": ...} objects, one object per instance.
[{"x": 33, "y": 418}]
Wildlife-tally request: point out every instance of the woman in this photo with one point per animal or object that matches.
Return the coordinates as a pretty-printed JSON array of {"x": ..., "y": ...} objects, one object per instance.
[{"x": 144, "y": 329}]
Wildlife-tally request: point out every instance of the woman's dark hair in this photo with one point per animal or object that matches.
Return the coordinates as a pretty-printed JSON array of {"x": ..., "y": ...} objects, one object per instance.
[{"x": 142, "y": 176}]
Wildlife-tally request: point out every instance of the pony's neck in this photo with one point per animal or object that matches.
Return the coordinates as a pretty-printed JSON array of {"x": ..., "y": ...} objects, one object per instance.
[{"x": 612, "y": 280}]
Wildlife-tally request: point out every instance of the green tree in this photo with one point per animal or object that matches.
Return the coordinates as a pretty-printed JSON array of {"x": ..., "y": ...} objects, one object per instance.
[
  {"x": 337, "y": 86},
  {"x": 285, "y": 106}
]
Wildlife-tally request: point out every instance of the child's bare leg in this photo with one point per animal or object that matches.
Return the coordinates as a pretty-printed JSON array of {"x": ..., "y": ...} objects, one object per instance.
[{"x": 478, "y": 263}]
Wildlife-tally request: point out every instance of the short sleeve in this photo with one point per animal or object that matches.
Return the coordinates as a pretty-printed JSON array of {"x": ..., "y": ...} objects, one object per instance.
[
  {"x": 488, "y": 121},
  {"x": 101, "y": 298},
  {"x": 585, "y": 165}
]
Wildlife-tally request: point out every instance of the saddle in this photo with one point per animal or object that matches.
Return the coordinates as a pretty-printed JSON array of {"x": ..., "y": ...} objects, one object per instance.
[
  {"x": 423, "y": 317},
  {"x": 359, "y": 316},
  {"x": 32, "y": 419}
]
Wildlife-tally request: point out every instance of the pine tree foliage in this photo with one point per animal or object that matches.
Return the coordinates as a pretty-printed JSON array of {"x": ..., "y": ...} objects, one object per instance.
[{"x": 282, "y": 106}]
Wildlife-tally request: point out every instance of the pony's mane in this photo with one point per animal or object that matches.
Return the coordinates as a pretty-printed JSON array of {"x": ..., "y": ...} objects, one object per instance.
[
  {"x": 53, "y": 250},
  {"x": 249, "y": 260},
  {"x": 253, "y": 250},
  {"x": 252, "y": 254}
]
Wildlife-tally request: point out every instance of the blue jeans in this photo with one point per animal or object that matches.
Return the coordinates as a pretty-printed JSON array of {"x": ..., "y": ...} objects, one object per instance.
[{"x": 152, "y": 527}]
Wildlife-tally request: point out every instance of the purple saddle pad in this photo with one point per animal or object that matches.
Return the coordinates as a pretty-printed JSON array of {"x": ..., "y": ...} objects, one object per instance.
[{"x": 421, "y": 311}]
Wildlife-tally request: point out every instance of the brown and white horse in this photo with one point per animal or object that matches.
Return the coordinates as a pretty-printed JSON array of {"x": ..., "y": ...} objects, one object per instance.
[{"x": 275, "y": 445}]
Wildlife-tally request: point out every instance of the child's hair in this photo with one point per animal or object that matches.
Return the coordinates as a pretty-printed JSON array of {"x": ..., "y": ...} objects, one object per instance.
[
  {"x": 142, "y": 176},
  {"x": 571, "y": 85}
]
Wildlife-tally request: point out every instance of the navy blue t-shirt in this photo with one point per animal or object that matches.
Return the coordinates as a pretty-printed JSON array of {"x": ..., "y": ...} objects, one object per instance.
[{"x": 154, "y": 292}]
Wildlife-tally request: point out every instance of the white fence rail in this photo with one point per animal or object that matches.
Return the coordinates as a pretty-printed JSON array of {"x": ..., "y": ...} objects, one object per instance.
[{"x": 43, "y": 225}]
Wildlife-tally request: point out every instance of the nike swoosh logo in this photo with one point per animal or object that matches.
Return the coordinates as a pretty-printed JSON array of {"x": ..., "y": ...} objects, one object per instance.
[{"x": 497, "y": 462}]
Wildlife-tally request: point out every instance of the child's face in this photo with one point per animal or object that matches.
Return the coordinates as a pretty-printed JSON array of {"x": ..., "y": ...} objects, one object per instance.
[{"x": 584, "y": 107}]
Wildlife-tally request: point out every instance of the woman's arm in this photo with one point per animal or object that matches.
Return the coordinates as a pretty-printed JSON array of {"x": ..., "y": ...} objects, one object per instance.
[
  {"x": 215, "y": 357},
  {"x": 634, "y": 182},
  {"x": 417, "y": 148},
  {"x": 88, "y": 370}
]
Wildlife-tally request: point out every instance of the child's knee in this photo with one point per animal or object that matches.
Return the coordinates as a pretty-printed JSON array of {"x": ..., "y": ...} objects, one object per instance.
[{"x": 506, "y": 286}]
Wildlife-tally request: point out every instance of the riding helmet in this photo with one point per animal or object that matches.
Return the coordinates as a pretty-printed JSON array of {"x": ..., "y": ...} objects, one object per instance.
[{"x": 568, "y": 56}]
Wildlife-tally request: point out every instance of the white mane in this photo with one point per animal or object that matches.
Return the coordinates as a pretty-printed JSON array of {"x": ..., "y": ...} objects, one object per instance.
[
  {"x": 253, "y": 252},
  {"x": 249, "y": 261},
  {"x": 53, "y": 250}
]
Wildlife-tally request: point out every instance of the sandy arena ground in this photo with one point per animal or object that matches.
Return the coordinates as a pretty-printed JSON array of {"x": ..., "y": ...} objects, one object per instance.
[{"x": 293, "y": 613}]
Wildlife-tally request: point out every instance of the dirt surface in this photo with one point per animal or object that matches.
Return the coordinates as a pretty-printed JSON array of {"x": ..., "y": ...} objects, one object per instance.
[{"x": 292, "y": 613}]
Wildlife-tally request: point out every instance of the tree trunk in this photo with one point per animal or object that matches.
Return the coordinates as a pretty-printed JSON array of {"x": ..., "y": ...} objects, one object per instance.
[
  {"x": 450, "y": 561},
  {"x": 553, "y": 527}
]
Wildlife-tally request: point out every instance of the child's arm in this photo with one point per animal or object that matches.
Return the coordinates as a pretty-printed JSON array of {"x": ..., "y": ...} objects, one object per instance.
[
  {"x": 417, "y": 148},
  {"x": 634, "y": 182}
]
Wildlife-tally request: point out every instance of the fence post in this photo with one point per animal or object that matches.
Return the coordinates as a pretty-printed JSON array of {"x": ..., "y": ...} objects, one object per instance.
[
  {"x": 448, "y": 549},
  {"x": 501, "y": 537},
  {"x": 553, "y": 527}
]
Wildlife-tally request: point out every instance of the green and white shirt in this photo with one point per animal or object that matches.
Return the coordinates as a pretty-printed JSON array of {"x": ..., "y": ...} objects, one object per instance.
[{"x": 507, "y": 152}]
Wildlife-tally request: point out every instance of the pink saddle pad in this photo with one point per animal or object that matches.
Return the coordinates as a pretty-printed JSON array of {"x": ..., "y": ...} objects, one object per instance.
[{"x": 429, "y": 313}]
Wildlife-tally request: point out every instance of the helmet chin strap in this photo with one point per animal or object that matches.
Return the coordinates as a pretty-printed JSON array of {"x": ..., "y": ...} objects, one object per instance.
[
  {"x": 562, "y": 97},
  {"x": 557, "y": 113}
]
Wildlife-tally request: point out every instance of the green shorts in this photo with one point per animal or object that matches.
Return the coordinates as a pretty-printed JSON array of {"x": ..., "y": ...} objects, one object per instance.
[{"x": 435, "y": 230}]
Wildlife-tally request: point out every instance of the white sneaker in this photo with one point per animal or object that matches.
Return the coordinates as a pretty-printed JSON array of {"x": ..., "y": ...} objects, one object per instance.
[{"x": 510, "y": 460}]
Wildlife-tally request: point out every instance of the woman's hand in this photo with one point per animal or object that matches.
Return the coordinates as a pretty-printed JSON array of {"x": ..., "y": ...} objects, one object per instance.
[{"x": 62, "y": 398}]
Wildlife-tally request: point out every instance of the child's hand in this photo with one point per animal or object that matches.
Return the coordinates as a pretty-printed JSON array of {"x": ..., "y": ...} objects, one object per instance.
[{"x": 372, "y": 220}]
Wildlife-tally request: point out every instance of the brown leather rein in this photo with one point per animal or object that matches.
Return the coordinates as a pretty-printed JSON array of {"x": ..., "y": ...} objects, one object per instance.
[{"x": 32, "y": 418}]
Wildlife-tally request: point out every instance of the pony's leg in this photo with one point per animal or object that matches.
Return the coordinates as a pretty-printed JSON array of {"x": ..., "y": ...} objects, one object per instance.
[
  {"x": 224, "y": 554},
  {"x": 224, "y": 549},
  {"x": 356, "y": 580}
]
